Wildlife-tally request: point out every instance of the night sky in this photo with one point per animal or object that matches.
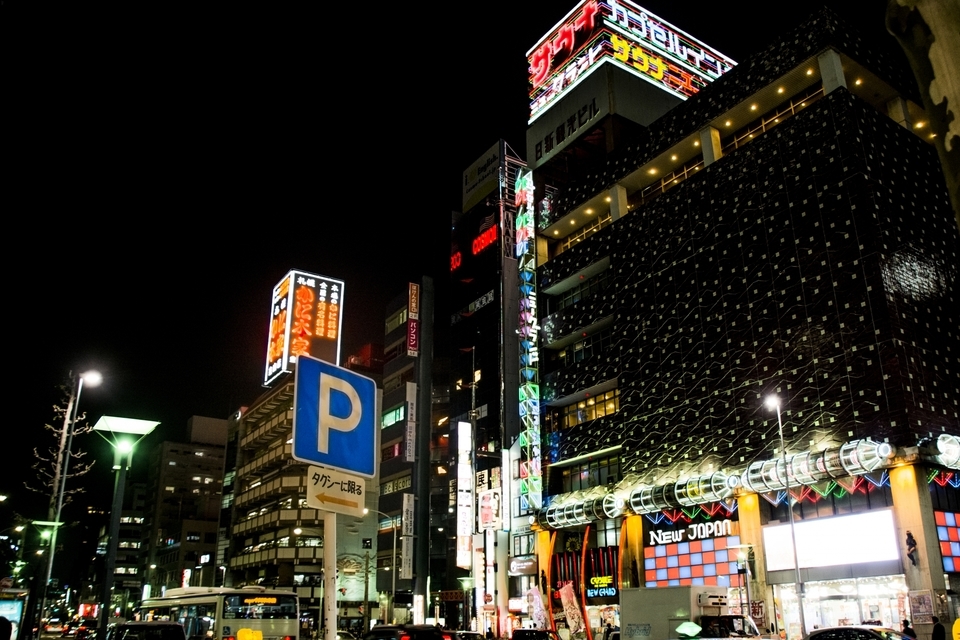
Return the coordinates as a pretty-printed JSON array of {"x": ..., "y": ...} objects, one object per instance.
[{"x": 171, "y": 167}]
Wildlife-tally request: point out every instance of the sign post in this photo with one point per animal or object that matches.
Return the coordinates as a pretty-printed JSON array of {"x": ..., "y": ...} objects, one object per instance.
[{"x": 335, "y": 420}]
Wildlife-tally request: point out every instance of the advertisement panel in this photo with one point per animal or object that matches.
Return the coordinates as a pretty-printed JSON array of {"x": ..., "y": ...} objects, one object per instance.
[
  {"x": 624, "y": 34},
  {"x": 480, "y": 178},
  {"x": 305, "y": 319},
  {"x": 413, "y": 320}
]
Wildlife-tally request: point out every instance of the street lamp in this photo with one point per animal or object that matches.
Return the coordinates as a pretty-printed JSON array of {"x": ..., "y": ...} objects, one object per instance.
[
  {"x": 93, "y": 379},
  {"x": 393, "y": 563},
  {"x": 774, "y": 402},
  {"x": 122, "y": 459}
]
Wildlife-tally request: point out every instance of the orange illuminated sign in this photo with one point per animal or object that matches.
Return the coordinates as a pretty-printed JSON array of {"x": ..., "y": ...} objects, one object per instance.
[{"x": 305, "y": 319}]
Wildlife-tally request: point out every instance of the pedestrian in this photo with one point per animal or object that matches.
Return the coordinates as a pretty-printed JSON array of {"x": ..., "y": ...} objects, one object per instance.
[
  {"x": 907, "y": 629},
  {"x": 939, "y": 632},
  {"x": 6, "y": 628},
  {"x": 606, "y": 632}
]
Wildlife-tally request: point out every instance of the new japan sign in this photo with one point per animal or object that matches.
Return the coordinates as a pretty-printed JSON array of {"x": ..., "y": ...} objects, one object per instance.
[{"x": 334, "y": 418}]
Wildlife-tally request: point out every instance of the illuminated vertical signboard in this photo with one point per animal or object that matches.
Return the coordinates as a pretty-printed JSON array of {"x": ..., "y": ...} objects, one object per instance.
[
  {"x": 413, "y": 319},
  {"x": 626, "y": 35},
  {"x": 464, "y": 495},
  {"x": 531, "y": 480},
  {"x": 306, "y": 314}
]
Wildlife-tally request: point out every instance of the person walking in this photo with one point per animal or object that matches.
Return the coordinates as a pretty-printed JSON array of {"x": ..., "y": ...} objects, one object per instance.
[
  {"x": 907, "y": 629},
  {"x": 939, "y": 632}
]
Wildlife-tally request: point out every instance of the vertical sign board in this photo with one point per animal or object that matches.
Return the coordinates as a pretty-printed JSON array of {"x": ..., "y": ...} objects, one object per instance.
[
  {"x": 413, "y": 320},
  {"x": 305, "y": 319},
  {"x": 406, "y": 527},
  {"x": 464, "y": 496},
  {"x": 410, "y": 440},
  {"x": 406, "y": 560},
  {"x": 335, "y": 418}
]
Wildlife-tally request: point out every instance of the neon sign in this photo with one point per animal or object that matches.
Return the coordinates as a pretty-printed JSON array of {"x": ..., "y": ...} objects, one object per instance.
[
  {"x": 484, "y": 240},
  {"x": 624, "y": 34},
  {"x": 531, "y": 476},
  {"x": 305, "y": 319}
]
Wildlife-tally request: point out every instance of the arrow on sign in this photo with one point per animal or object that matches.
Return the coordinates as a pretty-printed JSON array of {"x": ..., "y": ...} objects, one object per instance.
[{"x": 324, "y": 498}]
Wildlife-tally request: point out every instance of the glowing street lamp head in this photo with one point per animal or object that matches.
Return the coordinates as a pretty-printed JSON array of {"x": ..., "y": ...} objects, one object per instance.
[
  {"x": 91, "y": 378},
  {"x": 772, "y": 401}
]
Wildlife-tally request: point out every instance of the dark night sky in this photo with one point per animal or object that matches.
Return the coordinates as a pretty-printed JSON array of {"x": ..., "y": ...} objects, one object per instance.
[{"x": 174, "y": 166}]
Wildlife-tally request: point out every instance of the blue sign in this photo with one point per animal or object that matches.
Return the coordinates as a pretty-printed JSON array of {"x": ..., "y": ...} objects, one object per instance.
[{"x": 334, "y": 417}]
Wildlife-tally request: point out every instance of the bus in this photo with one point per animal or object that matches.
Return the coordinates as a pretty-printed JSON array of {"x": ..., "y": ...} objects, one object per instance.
[{"x": 221, "y": 613}]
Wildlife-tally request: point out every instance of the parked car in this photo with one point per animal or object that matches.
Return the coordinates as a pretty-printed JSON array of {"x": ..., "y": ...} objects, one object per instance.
[
  {"x": 856, "y": 632},
  {"x": 404, "y": 632},
  {"x": 343, "y": 634},
  {"x": 152, "y": 630}
]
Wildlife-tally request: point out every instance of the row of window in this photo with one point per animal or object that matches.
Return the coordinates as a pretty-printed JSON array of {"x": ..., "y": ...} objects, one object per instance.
[
  {"x": 582, "y": 291},
  {"x": 583, "y": 349},
  {"x": 603, "y": 404}
]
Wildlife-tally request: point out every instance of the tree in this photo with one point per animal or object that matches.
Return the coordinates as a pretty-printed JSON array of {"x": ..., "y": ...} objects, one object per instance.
[{"x": 60, "y": 463}]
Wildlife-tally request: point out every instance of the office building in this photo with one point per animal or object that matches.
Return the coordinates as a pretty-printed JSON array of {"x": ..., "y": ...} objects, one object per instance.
[{"x": 782, "y": 231}]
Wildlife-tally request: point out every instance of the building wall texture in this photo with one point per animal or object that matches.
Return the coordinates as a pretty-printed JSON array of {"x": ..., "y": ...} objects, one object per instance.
[{"x": 819, "y": 262}]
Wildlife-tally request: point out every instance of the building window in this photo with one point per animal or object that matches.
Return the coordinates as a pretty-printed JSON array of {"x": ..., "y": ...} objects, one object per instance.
[
  {"x": 598, "y": 406},
  {"x": 590, "y": 473},
  {"x": 523, "y": 544},
  {"x": 193, "y": 536},
  {"x": 583, "y": 290},
  {"x": 391, "y": 451},
  {"x": 583, "y": 349},
  {"x": 393, "y": 416},
  {"x": 395, "y": 320}
]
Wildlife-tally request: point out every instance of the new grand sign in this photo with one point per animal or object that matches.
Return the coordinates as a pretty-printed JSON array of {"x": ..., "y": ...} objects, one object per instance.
[{"x": 624, "y": 34}]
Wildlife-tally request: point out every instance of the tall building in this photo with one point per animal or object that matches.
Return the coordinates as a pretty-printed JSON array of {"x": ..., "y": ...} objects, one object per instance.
[
  {"x": 411, "y": 543},
  {"x": 782, "y": 231},
  {"x": 126, "y": 579},
  {"x": 184, "y": 485},
  {"x": 482, "y": 318}
]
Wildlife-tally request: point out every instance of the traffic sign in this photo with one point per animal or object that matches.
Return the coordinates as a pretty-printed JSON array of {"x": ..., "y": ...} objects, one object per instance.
[
  {"x": 335, "y": 417},
  {"x": 335, "y": 491}
]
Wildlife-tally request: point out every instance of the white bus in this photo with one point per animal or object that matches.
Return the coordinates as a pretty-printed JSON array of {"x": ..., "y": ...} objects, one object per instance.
[{"x": 220, "y": 613}]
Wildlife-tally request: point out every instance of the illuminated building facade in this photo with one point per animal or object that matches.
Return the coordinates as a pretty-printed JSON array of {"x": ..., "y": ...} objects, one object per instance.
[
  {"x": 785, "y": 231},
  {"x": 484, "y": 421}
]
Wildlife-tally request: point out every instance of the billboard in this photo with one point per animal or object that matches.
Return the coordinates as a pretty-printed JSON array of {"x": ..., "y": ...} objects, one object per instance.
[
  {"x": 480, "y": 178},
  {"x": 624, "y": 34},
  {"x": 306, "y": 313}
]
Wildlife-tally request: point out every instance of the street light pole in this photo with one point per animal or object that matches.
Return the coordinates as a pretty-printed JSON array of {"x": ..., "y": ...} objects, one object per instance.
[
  {"x": 93, "y": 378},
  {"x": 393, "y": 564},
  {"x": 123, "y": 457},
  {"x": 775, "y": 402}
]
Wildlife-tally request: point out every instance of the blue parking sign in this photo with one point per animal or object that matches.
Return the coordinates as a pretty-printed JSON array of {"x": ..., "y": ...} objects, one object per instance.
[{"x": 334, "y": 417}]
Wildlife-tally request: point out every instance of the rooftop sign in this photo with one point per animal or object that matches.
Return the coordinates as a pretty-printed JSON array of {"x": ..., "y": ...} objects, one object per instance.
[
  {"x": 622, "y": 33},
  {"x": 305, "y": 319}
]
